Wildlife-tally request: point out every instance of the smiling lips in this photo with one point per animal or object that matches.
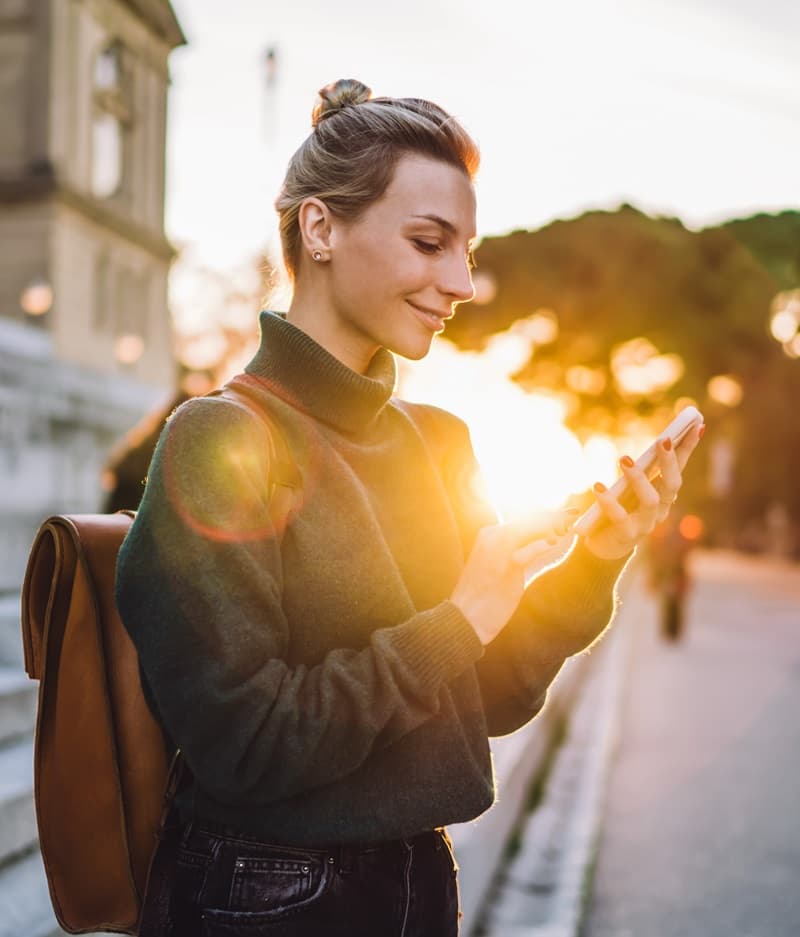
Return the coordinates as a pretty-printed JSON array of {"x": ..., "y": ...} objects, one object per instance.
[{"x": 433, "y": 320}]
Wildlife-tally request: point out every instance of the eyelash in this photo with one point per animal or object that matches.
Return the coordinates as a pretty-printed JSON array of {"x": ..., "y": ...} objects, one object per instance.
[{"x": 427, "y": 248}]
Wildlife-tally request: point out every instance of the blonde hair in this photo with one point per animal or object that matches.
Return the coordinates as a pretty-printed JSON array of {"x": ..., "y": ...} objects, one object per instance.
[{"x": 348, "y": 159}]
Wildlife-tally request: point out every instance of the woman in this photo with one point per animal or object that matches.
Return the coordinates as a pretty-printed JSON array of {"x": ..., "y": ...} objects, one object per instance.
[{"x": 333, "y": 680}]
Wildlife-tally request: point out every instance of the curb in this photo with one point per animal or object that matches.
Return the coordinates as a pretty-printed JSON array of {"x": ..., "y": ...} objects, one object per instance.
[{"x": 544, "y": 889}]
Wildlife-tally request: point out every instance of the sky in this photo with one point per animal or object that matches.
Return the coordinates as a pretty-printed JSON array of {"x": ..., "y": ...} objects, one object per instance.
[{"x": 680, "y": 107}]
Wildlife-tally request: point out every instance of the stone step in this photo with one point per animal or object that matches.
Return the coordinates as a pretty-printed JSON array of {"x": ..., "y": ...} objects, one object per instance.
[
  {"x": 10, "y": 630},
  {"x": 18, "y": 701},
  {"x": 25, "y": 907},
  {"x": 17, "y": 812}
]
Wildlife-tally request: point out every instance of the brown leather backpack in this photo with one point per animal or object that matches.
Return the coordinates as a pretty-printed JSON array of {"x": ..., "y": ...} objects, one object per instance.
[{"x": 103, "y": 779}]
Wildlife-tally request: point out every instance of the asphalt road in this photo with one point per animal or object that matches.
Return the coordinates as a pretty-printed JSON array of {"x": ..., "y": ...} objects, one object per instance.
[{"x": 701, "y": 835}]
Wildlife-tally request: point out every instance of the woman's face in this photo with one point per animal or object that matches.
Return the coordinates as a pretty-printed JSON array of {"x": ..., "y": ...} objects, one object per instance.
[{"x": 409, "y": 251}]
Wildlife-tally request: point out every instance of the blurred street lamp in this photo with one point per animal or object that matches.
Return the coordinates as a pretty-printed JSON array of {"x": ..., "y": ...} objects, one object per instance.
[
  {"x": 271, "y": 65},
  {"x": 270, "y": 115},
  {"x": 784, "y": 324},
  {"x": 725, "y": 389},
  {"x": 37, "y": 297},
  {"x": 128, "y": 348}
]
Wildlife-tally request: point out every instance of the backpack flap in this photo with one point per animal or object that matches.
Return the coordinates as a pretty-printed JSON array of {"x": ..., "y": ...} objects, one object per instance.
[
  {"x": 47, "y": 586},
  {"x": 94, "y": 731}
]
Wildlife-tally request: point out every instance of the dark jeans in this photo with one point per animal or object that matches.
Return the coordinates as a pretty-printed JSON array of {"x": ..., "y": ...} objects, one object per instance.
[{"x": 227, "y": 884}]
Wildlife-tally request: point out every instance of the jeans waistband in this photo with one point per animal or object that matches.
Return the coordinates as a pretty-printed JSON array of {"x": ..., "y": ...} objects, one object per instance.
[{"x": 344, "y": 853}]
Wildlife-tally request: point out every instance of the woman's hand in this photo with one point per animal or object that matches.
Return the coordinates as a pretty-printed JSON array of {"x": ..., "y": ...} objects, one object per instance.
[
  {"x": 622, "y": 529},
  {"x": 493, "y": 579}
]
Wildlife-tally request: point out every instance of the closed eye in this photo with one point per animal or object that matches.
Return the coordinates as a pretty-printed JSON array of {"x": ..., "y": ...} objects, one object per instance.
[
  {"x": 426, "y": 246},
  {"x": 429, "y": 248}
]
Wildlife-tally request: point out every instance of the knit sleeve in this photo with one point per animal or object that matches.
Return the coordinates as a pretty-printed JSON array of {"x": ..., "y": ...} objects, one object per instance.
[
  {"x": 562, "y": 611},
  {"x": 198, "y": 587}
]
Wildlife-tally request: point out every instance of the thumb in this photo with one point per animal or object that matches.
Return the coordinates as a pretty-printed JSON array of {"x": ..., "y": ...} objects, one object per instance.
[{"x": 524, "y": 556}]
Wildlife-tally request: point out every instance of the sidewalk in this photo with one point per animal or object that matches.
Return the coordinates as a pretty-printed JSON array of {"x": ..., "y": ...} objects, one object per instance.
[
  {"x": 702, "y": 827},
  {"x": 699, "y": 810}
]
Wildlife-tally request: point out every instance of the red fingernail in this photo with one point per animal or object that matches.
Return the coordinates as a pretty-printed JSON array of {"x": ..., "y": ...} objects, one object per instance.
[
  {"x": 599, "y": 487},
  {"x": 627, "y": 461},
  {"x": 702, "y": 430},
  {"x": 667, "y": 443}
]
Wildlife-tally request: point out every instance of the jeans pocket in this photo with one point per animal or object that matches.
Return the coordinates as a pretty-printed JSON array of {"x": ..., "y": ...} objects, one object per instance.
[{"x": 265, "y": 889}]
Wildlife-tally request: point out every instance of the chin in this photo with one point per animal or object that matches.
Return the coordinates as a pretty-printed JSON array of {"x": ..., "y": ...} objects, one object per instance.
[{"x": 413, "y": 350}]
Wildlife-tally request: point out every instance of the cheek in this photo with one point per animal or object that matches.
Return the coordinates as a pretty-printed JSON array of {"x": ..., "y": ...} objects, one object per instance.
[{"x": 374, "y": 270}]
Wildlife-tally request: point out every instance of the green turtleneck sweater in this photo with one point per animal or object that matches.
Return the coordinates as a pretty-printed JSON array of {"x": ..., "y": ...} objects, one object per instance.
[{"x": 321, "y": 684}]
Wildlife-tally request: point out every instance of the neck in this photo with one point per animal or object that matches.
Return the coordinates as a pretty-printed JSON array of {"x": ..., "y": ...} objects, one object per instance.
[{"x": 312, "y": 312}]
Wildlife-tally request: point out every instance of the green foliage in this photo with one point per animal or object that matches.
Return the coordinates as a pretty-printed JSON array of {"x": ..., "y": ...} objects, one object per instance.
[{"x": 775, "y": 241}]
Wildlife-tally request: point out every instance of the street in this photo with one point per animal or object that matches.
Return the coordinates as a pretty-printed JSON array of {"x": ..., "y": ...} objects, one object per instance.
[{"x": 701, "y": 836}]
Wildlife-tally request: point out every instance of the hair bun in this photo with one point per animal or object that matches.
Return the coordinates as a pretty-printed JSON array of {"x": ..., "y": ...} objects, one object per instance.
[{"x": 338, "y": 95}]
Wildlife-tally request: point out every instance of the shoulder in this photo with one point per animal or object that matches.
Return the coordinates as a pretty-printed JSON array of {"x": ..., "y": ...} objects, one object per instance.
[
  {"x": 208, "y": 421},
  {"x": 210, "y": 437},
  {"x": 435, "y": 419},
  {"x": 447, "y": 436}
]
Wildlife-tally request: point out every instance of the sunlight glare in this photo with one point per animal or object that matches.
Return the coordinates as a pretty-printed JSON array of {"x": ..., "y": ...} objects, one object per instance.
[{"x": 530, "y": 460}]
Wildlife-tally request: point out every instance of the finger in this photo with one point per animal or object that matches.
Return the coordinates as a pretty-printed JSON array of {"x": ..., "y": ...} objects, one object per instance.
[
  {"x": 688, "y": 444},
  {"x": 664, "y": 507},
  {"x": 646, "y": 495},
  {"x": 666, "y": 497},
  {"x": 531, "y": 551},
  {"x": 670, "y": 480},
  {"x": 614, "y": 513}
]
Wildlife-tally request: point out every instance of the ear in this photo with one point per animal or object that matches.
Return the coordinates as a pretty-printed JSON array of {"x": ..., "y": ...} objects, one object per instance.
[{"x": 315, "y": 223}]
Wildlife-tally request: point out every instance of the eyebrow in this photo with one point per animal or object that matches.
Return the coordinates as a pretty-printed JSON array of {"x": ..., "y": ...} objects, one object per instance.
[{"x": 444, "y": 223}]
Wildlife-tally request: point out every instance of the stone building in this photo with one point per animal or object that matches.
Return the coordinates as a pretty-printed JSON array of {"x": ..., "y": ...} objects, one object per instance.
[
  {"x": 83, "y": 111},
  {"x": 85, "y": 335}
]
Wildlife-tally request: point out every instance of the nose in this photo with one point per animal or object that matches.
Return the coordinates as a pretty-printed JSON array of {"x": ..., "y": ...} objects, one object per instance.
[{"x": 456, "y": 280}]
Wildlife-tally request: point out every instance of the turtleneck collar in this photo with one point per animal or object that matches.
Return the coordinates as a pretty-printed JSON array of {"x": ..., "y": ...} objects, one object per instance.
[{"x": 308, "y": 376}]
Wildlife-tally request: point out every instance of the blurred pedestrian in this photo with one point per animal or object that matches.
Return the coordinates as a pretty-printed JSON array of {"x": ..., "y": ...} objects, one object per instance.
[{"x": 667, "y": 551}]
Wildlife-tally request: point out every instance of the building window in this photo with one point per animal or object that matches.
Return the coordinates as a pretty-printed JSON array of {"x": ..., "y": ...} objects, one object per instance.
[
  {"x": 107, "y": 70},
  {"x": 102, "y": 292},
  {"x": 111, "y": 119}
]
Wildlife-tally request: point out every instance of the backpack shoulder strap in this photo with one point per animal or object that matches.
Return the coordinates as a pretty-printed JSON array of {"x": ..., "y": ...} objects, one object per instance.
[
  {"x": 283, "y": 469},
  {"x": 284, "y": 481}
]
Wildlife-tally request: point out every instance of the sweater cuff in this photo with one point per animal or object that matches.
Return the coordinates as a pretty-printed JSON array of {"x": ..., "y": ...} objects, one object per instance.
[
  {"x": 570, "y": 604},
  {"x": 597, "y": 576},
  {"x": 438, "y": 644}
]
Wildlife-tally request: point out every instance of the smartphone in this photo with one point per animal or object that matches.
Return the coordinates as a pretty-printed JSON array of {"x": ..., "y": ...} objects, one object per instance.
[{"x": 683, "y": 423}]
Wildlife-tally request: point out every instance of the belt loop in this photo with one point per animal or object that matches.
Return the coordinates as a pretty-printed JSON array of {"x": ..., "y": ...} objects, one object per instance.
[
  {"x": 345, "y": 858},
  {"x": 186, "y": 832}
]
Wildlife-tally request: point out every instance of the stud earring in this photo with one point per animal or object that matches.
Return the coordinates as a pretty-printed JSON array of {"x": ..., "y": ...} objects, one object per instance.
[{"x": 317, "y": 255}]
